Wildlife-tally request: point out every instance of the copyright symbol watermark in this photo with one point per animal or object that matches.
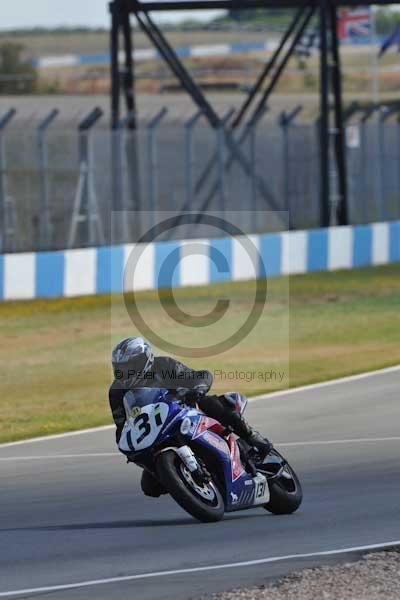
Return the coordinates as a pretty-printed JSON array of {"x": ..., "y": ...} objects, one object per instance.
[{"x": 197, "y": 262}]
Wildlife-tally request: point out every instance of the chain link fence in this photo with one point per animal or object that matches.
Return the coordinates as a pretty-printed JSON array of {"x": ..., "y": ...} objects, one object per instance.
[{"x": 58, "y": 188}]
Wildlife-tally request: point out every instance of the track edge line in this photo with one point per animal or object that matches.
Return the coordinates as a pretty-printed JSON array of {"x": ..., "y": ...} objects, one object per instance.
[{"x": 248, "y": 563}]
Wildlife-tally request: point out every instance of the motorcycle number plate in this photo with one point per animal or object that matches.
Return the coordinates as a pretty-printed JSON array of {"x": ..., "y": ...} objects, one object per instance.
[
  {"x": 141, "y": 431},
  {"x": 261, "y": 489}
]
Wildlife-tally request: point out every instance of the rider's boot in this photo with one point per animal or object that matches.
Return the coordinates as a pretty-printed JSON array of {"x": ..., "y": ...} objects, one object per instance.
[
  {"x": 252, "y": 437},
  {"x": 222, "y": 409}
]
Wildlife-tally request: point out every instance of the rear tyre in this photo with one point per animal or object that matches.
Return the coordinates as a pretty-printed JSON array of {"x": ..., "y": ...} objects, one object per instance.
[
  {"x": 205, "y": 503},
  {"x": 283, "y": 501},
  {"x": 285, "y": 490}
]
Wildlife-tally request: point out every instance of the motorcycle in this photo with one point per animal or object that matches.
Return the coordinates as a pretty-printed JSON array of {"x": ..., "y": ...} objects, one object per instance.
[{"x": 205, "y": 467}]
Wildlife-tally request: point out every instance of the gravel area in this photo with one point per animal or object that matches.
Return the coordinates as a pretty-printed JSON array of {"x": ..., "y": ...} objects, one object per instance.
[{"x": 375, "y": 577}]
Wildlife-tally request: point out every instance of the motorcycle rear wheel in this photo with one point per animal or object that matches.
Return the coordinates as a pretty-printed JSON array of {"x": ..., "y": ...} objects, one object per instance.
[
  {"x": 205, "y": 503},
  {"x": 285, "y": 490}
]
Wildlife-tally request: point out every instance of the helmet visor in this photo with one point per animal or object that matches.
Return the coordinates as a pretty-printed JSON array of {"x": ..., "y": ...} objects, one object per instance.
[{"x": 128, "y": 373}]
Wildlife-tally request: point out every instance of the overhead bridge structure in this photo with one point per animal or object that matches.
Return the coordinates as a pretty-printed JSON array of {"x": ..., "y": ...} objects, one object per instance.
[{"x": 333, "y": 203}]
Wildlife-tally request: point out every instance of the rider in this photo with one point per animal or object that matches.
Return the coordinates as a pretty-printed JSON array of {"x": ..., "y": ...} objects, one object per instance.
[{"x": 135, "y": 366}]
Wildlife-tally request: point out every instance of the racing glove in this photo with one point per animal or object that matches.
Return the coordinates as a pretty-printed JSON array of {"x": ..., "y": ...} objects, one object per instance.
[{"x": 190, "y": 396}]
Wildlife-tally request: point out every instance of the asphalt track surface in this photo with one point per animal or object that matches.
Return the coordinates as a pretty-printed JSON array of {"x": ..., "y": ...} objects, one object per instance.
[{"x": 71, "y": 510}]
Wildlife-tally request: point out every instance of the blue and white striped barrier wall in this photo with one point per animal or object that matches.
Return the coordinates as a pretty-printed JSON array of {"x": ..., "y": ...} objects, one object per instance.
[
  {"x": 141, "y": 54},
  {"x": 101, "y": 270}
]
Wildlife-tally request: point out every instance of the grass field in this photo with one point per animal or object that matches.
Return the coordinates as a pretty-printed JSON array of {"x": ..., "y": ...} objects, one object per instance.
[
  {"x": 55, "y": 354},
  {"x": 94, "y": 42},
  {"x": 239, "y": 69}
]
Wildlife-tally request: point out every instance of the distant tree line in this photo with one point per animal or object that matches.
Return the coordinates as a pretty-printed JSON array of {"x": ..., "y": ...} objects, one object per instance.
[
  {"x": 41, "y": 31},
  {"x": 260, "y": 14}
]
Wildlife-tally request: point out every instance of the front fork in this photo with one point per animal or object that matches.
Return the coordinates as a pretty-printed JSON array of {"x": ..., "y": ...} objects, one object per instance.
[
  {"x": 189, "y": 459},
  {"x": 187, "y": 456}
]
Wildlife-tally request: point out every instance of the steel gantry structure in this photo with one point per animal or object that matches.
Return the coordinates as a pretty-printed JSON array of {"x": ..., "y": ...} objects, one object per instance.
[{"x": 331, "y": 121}]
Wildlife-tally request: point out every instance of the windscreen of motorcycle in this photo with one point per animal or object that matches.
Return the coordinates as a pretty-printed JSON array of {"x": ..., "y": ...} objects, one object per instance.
[{"x": 146, "y": 416}]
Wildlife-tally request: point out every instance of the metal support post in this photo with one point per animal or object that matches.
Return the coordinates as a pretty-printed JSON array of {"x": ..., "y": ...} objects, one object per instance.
[
  {"x": 221, "y": 145},
  {"x": 324, "y": 119},
  {"x": 128, "y": 80},
  {"x": 131, "y": 149},
  {"x": 340, "y": 142},
  {"x": 118, "y": 232},
  {"x": 152, "y": 163},
  {"x": 382, "y": 215},
  {"x": 115, "y": 9},
  {"x": 353, "y": 147},
  {"x": 384, "y": 115},
  {"x": 86, "y": 208},
  {"x": 363, "y": 179},
  {"x": 45, "y": 228},
  {"x": 5, "y": 229},
  {"x": 190, "y": 158},
  {"x": 285, "y": 120}
]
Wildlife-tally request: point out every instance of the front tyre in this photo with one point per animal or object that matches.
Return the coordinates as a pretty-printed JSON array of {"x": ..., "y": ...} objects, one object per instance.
[{"x": 205, "y": 503}]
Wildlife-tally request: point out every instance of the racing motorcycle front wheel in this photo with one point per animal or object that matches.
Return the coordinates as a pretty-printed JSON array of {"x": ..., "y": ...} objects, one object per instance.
[
  {"x": 202, "y": 501},
  {"x": 285, "y": 490}
]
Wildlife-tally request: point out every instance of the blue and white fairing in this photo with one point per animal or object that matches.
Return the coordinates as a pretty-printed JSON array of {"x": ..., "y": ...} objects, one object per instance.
[
  {"x": 241, "y": 488},
  {"x": 149, "y": 411},
  {"x": 153, "y": 419}
]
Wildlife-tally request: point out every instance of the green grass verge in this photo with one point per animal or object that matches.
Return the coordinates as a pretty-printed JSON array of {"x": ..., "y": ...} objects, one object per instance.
[{"x": 55, "y": 353}]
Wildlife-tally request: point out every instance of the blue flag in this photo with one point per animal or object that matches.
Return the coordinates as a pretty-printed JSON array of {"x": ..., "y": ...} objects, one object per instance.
[
  {"x": 394, "y": 38},
  {"x": 309, "y": 41}
]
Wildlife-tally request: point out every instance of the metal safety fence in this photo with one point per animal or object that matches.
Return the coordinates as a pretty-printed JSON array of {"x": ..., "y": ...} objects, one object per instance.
[{"x": 58, "y": 187}]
